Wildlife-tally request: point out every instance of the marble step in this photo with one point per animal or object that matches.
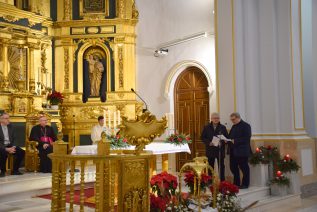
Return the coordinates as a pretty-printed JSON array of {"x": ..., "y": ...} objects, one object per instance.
[
  {"x": 33, "y": 184},
  {"x": 252, "y": 194}
]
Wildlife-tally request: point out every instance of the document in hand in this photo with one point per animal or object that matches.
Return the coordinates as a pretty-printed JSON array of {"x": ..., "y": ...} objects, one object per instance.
[
  {"x": 215, "y": 141},
  {"x": 222, "y": 137}
]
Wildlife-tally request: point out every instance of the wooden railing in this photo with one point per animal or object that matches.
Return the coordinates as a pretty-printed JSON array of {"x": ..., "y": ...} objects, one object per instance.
[{"x": 121, "y": 181}]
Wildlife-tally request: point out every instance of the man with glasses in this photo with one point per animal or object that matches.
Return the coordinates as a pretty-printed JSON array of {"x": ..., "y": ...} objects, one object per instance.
[
  {"x": 7, "y": 146},
  {"x": 240, "y": 150},
  {"x": 45, "y": 136},
  {"x": 215, "y": 129}
]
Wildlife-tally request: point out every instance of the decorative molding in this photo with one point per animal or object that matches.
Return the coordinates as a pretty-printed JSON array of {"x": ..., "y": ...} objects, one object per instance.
[
  {"x": 67, "y": 10},
  {"x": 6, "y": 11},
  {"x": 103, "y": 22},
  {"x": 135, "y": 12}
]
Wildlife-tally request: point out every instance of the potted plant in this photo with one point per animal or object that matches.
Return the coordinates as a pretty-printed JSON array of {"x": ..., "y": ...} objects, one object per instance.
[
  {"x": 227, "y": 197},
  {"x": 178, "y": 139},
  {"x": 205, "y": 181},
  {"x": 259, "y": 168},
  {"x": 55, "y": 98},
  {"x": 117, "y": 141},
  {"x": 279, "y": 184},
  {"x": 289, "y": 166},
  {"x": 163, "y": 191}
]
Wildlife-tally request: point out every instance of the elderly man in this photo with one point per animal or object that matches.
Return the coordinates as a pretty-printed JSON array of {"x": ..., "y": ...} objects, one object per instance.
[
  {"x": 45, "y": 136},
  {"x": 7, "y": 140},
  {"x": 215, "y": 129},
  {"x": 240, "y": 150}
]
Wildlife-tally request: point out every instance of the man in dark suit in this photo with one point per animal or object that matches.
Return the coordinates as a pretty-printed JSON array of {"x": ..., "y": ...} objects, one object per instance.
[
  {"x": 214, "y": 128},
  {"x": 7, "y": 139},
  {"x": 240, "y": 150}
]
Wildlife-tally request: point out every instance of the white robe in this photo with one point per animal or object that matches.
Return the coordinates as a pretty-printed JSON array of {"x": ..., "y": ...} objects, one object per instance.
[{"x": 96, "y": 133}]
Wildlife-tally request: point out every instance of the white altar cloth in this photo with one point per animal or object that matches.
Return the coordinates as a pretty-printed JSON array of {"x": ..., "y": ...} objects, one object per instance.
[{"x": 157, "y": 148}]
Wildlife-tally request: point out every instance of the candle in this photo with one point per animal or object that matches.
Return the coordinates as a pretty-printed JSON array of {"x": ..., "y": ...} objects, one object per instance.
[
  {"x": 39, "y": 74},
  {"x": 109, "y": 123},
  {"x": 46, "y": 79},
  {"x": 114, "y": 119},
  {"x": 104, "y": 118},
  {"x": 119, "y": 118}
]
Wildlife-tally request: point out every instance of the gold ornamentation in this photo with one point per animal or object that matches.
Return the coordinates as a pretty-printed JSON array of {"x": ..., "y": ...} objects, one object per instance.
[
  {"x": 143, "y": 130},
  {"x": 67, "y": 10},
  {"x": 31, "y": 23},
  {"x": 93, "y": 9},
  {"x": 66, "y": 68},
  {"x": 91, "y": 112},
  {"x": 135, "y": 200},
  {"x": 121, "y": 6},
  {"x": 120, "y": 57},
  {"x": 135, "y": 12},
  {"x": 9, "y": 18}
]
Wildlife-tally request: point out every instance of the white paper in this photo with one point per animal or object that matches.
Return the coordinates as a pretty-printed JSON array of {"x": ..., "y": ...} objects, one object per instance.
[
  {"x": 215, "y": 141},
  {"x": 222, "y": 137}
]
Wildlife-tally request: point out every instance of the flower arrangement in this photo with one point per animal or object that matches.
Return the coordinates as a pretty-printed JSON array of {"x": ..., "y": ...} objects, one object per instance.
[
  {"x": 117, "y": 141},
  {"x": 55, "y": 98},
  {"x": 178, "y": 139},
  {"x": 287, "y": 164},
  {"x": 280, "y": 179},
  {"x": 227, "y": 197},
  {"x": 264, "y": 155},
  {"x": 205, "y": 181},
  {"x": 163, "y": 196}
]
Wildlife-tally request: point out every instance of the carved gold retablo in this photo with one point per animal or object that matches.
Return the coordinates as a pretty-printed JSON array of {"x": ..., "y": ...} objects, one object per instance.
[{"x": 142, "y": 130}]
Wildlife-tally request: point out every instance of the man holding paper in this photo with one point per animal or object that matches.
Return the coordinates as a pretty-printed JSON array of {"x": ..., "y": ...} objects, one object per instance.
[
  {"x": 240, "y": 150},
  {"x": 215, "y": 147}
]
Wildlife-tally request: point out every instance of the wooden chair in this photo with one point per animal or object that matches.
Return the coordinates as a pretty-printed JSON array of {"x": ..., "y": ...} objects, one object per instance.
[
  {"x": 32, "y": 160},
  {"x": 9, "y": 164}
]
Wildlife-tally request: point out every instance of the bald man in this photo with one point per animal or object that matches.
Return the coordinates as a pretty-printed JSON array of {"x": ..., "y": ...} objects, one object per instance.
[{"x": 45, "y": 136}]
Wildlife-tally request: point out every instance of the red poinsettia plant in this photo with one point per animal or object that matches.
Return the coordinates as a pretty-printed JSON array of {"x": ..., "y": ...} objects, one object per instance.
[
  {"x": 226, "y": 188},
  {"x": 178, "y": 139},
  {"x": 163, "y": 187},
  {"x": 55, "y": 98},
  {"x": 205, "y": 181}
]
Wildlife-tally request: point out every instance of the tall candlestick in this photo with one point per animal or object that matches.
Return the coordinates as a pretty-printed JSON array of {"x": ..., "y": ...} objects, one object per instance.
[
  {"x": 109, "y": 123},
  {"x": 119, "y": 118},
  {"x": 39, "y": 74},
  {"x": 114, "y": 119}
]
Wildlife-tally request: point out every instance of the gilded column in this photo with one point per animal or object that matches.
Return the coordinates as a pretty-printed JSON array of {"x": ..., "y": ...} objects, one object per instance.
[
  {"x": 120, "y": 57},
  {"x": 66, "y": 69},
  {"x": 5, "y": 68},
  {"x": 31, "y": 74},
  {"x": 67, "y": 10}
]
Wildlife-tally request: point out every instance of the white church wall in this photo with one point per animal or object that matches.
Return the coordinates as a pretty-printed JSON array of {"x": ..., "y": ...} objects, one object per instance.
[
  {"x": 263, "y": 59},
  {"x": 164, "y": 21},
  {"x": 309, "y": 31}
]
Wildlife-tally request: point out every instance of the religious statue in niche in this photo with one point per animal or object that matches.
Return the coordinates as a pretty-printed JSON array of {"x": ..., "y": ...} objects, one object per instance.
[{"x": 95, "y": 74}]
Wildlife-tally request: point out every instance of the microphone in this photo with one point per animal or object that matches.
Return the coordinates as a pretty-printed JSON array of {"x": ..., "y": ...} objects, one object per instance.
[{"x": 144, "y": 110}]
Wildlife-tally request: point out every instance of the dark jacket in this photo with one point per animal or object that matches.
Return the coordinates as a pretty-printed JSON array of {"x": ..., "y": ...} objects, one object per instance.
[
  {"x": 37, "y": 132},
  {"x": 241, "y": 134},
  {"x": 207, "y": 135},
  {"x": 11, "y": 136}
]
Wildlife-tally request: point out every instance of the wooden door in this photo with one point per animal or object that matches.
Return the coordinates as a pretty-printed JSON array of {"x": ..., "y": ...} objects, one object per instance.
[{"x": 191, "y": 99}]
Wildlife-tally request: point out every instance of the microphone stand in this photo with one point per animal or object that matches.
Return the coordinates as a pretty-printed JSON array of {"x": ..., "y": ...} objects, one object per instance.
[{"x": 144, "y": 110}]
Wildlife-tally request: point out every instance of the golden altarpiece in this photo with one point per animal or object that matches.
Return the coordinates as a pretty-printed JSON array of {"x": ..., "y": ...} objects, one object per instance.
[{"x": 53, "y": 45}]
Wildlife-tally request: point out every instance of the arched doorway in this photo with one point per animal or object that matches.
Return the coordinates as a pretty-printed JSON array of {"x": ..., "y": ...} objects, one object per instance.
[{"x": 191, "y": 101}]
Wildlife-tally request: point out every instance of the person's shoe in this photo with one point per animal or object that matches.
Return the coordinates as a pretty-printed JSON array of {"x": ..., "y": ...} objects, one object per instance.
[
  {"x": 243, "y": 187},
  {"x": 2, "y": 174},
  {"x": 17, "y": 173}
]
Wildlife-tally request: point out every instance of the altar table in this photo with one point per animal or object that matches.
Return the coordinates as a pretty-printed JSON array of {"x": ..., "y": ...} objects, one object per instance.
[{"x": 158, "y": 148}]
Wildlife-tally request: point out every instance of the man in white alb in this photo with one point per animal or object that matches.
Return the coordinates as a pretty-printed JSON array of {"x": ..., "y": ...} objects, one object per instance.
[{"x": 97, "y": 130}]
